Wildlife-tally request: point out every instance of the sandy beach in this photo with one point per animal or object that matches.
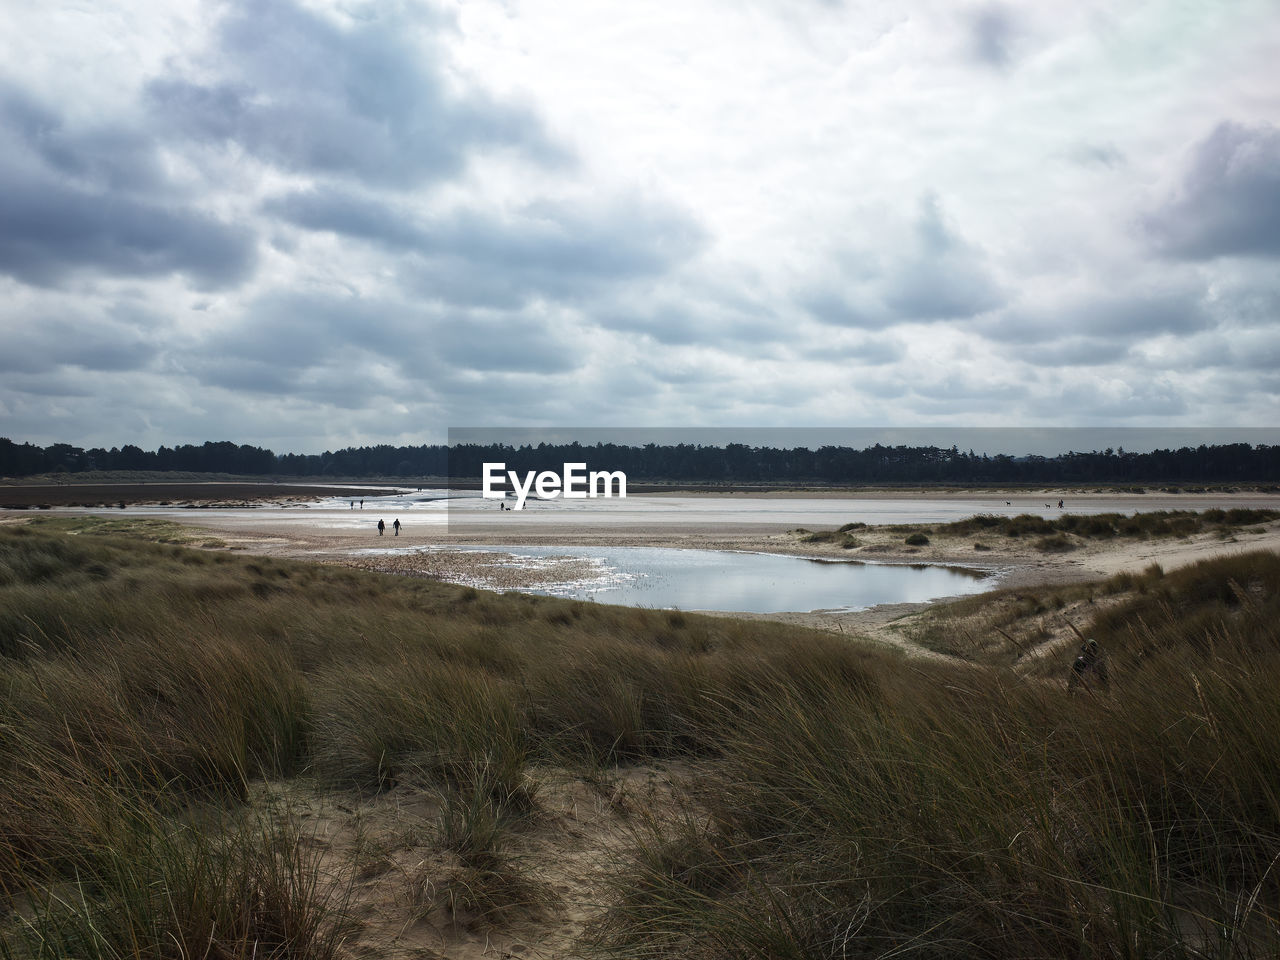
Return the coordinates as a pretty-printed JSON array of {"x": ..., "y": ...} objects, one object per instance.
[{"x": 293, "y": 530}]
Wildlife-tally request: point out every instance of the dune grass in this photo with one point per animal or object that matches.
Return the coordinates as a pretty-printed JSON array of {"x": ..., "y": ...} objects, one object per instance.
[
  {"x": 1106, "y": 526},
  {"x": 842, "y": 799},
  {"x": 155, "y": 529},
  {"x": 1067, "y": 531}
]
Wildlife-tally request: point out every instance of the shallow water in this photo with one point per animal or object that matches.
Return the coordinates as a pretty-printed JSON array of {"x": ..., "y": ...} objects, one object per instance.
[
  {"x": 462, "y": 512},
  {"x": 663, "y": 578}
]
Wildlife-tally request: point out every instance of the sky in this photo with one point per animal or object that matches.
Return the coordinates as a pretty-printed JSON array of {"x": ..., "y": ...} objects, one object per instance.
[{"x": 305, "y": 224}]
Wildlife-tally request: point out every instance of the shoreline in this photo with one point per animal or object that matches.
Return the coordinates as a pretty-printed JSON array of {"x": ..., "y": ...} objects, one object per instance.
[{"x": 1016, "y": 561}]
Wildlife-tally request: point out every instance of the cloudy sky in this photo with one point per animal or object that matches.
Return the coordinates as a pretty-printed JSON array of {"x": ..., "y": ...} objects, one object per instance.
[{"x": 306, "y": 224}]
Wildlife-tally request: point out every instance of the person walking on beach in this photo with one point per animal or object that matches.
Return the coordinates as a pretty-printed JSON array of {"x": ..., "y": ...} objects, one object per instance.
[
  {"x": 397, "y": 526},
  {"x": 362, "y": 503},
  {"x": 381, "y": 528}
]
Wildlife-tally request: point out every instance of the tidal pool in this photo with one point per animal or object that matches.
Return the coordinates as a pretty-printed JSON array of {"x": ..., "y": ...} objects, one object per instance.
[{"x": 664, "y": 578}]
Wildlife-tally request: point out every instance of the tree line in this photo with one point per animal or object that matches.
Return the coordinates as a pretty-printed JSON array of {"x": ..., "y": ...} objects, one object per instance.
[{"x": 692, "y": 463}]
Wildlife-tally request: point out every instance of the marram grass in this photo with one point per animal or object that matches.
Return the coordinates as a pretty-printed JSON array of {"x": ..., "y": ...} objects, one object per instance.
[{"x": 839, "y": 800}]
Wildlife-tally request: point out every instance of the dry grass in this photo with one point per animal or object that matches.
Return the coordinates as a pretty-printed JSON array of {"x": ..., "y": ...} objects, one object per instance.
[{"x": 840, "y": 800}]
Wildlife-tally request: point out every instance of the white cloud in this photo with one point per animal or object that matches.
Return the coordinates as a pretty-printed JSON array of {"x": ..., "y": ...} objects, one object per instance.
[{"x": 309, "y": 224}]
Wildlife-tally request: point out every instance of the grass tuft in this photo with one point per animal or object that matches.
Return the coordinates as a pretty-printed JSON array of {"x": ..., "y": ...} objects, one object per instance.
[{"x": 839, "y": 799}]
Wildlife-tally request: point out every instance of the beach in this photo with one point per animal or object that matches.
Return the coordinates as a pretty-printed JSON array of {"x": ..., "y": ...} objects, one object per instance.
[{"x": 439, "y": 543}]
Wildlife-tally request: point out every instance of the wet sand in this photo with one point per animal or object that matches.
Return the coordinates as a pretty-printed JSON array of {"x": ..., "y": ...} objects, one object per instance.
[
  {"x": 191, "y": 495},
  {"x": 333, "y": 538},
  {"x": 1017, "y": 561}
]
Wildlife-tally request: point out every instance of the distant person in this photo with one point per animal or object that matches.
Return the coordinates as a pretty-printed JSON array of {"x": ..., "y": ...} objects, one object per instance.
[
  {"x": 397, "y": 526},
  {"x": 1059, "y": 504},
  {"x": 1090, "y": 667},
  {"x": 353, "y": 504},
  {"x": 361, "y": 503},
  {"x": 381, "y": 528}
]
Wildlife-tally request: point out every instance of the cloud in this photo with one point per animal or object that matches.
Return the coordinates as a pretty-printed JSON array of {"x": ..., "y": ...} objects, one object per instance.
[
  {"x": 992, "y": 32},
  {"x": 686, "y": 312},
  {"x": 864, "y": 351},
  {"x": 492, "y": 344},
  {"x": 1099, "y": 318},
  {"x": 93, "y": 344},
  {"x": 289, "y": 330},
  {"x": 1110, "y": 400},
  {"x": 945, "y": 277},
  {"x": 478, "y": 257},
  {"x": 311, "y": 342},
  {"x": 369, "y": 99},
  {"x": 99, "y": 158},
  {"x": 48, "y": 230},
  {"x": 552, "y": 213},
  {"x": 1071, "y": 351},
  {"x": 935, "y": 274},
  {"x": 1105, "y": 155},
  {"x": 97, "y": 199},
  {"x": 1229, "y": 200}
]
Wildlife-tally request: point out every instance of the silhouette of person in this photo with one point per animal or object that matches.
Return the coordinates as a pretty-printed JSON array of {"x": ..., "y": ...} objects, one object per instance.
[
  {"x": 1089, "y": 665},
  {"x": 381, "y": 527},
  {"x": 1059, "y": 504},
  {"x": 353, "y": 504},
  {"x": 397, "y": 526},
  {"x": 362, "y": 503}
]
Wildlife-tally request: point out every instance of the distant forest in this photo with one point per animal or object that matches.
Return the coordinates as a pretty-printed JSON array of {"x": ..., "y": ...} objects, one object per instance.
[{"x": 734, "y": 464}]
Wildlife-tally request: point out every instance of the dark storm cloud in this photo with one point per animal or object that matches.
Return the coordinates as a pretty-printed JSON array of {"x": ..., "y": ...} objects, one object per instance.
[
  {"x": 298, "y": 91},
  {"x": 475, "y": 258},
  {"x": 1229, "y": 201},
  {"x": 97, "y": 199}
]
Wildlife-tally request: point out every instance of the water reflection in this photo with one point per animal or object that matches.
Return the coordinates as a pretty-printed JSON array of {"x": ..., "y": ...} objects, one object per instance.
[{"x": 662, "y": 577}]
